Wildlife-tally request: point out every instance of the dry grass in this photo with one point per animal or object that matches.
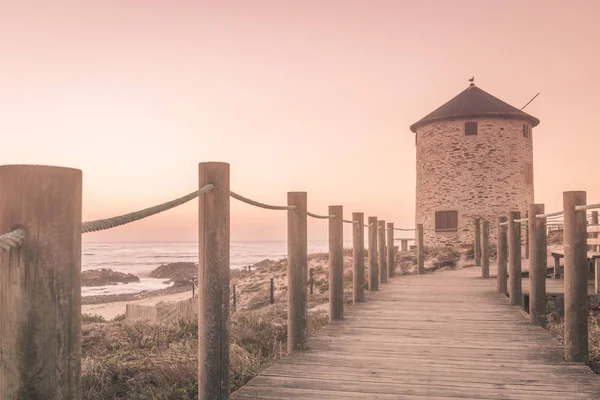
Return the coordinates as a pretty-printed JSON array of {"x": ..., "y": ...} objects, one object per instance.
[
  {"x": 555, "y": 325},
  {"x": 141, "y": 360}
]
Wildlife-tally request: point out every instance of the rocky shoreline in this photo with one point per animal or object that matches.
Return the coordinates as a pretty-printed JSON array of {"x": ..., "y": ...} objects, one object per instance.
[
  {"x": 180, "y": 274},
  {"x": 105, "y": 276}
]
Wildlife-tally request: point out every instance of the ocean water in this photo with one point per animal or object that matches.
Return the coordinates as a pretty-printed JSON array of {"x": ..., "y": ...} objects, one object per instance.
[{"x": 141, "y": 258}]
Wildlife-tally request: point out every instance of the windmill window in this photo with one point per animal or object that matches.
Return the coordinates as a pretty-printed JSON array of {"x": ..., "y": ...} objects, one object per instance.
[
  {"x": 470, "y": 128},
  {"x": 446, "y": 221},
  {"x": 527, "y": 131}
]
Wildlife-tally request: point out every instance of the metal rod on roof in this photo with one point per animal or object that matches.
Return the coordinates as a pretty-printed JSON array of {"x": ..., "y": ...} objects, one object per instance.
[{"x": 530, "y": 101}]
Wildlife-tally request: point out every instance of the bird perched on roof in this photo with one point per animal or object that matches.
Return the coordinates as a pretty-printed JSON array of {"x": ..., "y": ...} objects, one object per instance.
[{"x": 472, "y": 79}]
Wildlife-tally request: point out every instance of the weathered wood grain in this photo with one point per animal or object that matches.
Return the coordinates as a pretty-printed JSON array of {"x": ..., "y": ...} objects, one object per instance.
[
  {"x": 502, "y": 257},
  {"x": 296, "y": 271},
  {"x": 576, "y": 277},
  {"x": 514, "y": 258},
  {"x": 40, "y": 283},
  {"x": 336, "y": 263},
  {"x": 381, "y": 256},
  {"x": 390, "y": 250},
  {"x": 213, "y": 282},
  {"x": 538, "y": 264},
  {"x": 372, "y": 255},
  {"x": 358, "y": 257},
  {"x": 446, "y": 335}
]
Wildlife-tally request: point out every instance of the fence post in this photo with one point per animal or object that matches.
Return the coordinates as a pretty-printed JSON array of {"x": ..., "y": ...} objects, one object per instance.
[
  {"x": 502, "y": 256},
  {"x": 40, "y": 284},
  {"x": 514, "y": 258},
  {"x": 336, "y": 263},
  {"x": 538, "y": 264},
  {"x": 390, "y": 250},
  {"x": 477, "y": 242},
  {"x": 404, "y": 244},
  {"x": 234, "y": 299},
  {"x": 372, "y": 255},
  {"x": 420, "y": 250},
  {"x": 597, "y": 275},
  {"x": 311, "y": 280},
  {"x": 527, "y": 237},
  {"x": 595, "y": 222},
  {"x": 272, "y": 291},
  {"x": 358, "y": 257},
  {"x": 383, "y": 272},
  {"x": 576, "y": 274},
  {"x": 485, "y": 250},
  {"x": 297, "y": 265},
  {"x": 213, "y": 282},
  {"x": 556, "y": 268}
]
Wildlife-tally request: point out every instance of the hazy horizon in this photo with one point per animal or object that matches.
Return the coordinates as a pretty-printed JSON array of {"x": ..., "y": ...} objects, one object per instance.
[{"x": 312, "y": 96}]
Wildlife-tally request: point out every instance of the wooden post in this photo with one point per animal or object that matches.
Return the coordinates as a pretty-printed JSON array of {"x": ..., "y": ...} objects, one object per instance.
[
  {"x": 595, "y": 222},
  {"x": 311, "y": 280},
  {"x": 514, "y": 258},
  {"x": 40, "y": 283},
  {"x": 420, "y": 250},
  {"x": 527, "y": 237},
  {"x": 538, "y": 265},
  {"x": 502, "y": 257},
  {"x": 390, "y": 259},
  {"x": 213, "y": 282},
  {"x": 358, "y": 257},
  {"x": 297, "y": 265},
  {"x": 272, "y": 291},
  {"x": 597, "y": 275},
  {"x": 383, "y": 272},
  {"x": 404, "y": 244},
  {"x": 576, "y": 274},
  {"x": 336, "y": 263},
  {"x": 193, "y": 289},
  {"x": 485, "y": 250},
  {"x": 372, "y": 255},
  {"x": 477, "y": 242},
  {"x": 234, "y": 300}
]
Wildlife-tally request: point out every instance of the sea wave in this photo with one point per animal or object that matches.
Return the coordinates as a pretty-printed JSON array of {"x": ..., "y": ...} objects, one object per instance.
[{"x": 141, "y": 258}]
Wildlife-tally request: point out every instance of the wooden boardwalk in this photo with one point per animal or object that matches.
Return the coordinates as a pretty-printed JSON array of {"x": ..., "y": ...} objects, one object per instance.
[{"x": 445, "y": 335}]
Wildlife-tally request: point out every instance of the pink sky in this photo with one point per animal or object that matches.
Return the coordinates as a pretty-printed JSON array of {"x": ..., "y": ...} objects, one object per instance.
[{"x": 313, "y": 96}]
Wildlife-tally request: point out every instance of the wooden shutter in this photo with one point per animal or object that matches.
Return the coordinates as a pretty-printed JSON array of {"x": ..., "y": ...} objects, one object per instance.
[
  {"x": 470, "y": 128},
  {"x": 446, "y": 221}
]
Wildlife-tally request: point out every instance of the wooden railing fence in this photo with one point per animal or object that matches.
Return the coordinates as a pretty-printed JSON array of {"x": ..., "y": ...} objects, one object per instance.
[
  {"x": 40, "y": 266},
  {"x": 40, "y": 289},
  {"x": 575, "y": 241}
]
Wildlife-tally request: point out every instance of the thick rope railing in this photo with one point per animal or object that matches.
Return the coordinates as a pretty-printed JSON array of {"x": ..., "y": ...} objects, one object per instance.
[
  {"x": 12, "y": 240},
  {"x": 405, "y": 229},
  {"x": 319, "y": 216},
  {"x": 259, "y": 204},
  {"x": 587, "y": 207},
  {"x": 550, "y": 215},
  {"x": 108, "y": 223}
]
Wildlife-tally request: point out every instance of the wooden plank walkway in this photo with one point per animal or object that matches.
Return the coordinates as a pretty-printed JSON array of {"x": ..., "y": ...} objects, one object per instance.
[{"x": 445, "y": 335}]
